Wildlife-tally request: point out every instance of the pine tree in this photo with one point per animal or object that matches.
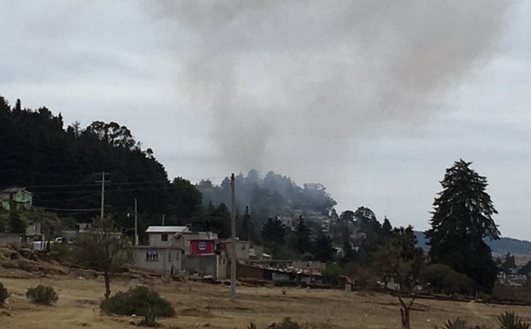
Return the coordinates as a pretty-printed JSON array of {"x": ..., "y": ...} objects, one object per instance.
[
  {"x": 303, "y": 236},
  {"x": 462, "y": 219},
  {"x": 274, "y": 232},
  {"x": 323, "y": 249},
  {"x": 386, "y": 227}
]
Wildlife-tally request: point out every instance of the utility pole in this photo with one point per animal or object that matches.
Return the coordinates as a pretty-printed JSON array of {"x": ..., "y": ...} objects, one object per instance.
[
  {"x": 102, "y": 181},
  {"x": 162, "y": 219},
  {"x": 136, "y": 224},
  {"x": 233, "y": 241}
]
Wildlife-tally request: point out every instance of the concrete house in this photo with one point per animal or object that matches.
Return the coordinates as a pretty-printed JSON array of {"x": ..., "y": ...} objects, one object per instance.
[
  {"x": 161, "y": 255},
  {"x": 201, "y": 253},
  {"x": 163, "y": 260},
  {"x": 175, "y": 250},
  {"x": 19, "y": 197},
  {"x": 243, "y": 250}
]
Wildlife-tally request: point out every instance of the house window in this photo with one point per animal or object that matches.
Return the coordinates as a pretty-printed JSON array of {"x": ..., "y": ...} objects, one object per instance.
[
  {"x": 152, "y": 255},
  {"x": 164, "y": 237},
  {"x": 202, "y": 245}
]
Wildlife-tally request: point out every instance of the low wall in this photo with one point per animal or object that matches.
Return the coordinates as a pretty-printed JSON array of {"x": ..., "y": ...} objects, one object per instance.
[{"x": 204, "y": 265}]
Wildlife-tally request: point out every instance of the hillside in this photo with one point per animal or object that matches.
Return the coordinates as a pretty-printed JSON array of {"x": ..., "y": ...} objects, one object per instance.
[{"x": 499, "y": 247}]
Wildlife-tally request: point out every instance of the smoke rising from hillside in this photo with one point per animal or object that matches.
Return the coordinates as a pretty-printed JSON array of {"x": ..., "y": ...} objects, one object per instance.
[{"x": 308, "y": 77}]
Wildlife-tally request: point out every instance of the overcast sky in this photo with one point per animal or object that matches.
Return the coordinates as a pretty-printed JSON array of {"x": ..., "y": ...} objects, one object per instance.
[{"x": 373, "y": 99}]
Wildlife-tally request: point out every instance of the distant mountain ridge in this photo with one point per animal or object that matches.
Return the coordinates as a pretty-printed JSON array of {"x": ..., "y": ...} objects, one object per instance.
[{"x": 501, "y": 246}]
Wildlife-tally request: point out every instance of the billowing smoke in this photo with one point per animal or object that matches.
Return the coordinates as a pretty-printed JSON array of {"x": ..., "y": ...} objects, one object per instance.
[{"x": 295, "y": 78}]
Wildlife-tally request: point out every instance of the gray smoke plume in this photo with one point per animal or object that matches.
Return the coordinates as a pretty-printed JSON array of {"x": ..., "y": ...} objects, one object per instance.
[{"x": 279, "y": 78}]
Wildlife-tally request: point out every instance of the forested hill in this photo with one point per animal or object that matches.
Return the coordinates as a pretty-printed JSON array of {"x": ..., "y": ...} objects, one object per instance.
[
  {"x": 499, "y": 247},
  {"x": 62, "y": 166},
  {"x": 269, "y": 196}
]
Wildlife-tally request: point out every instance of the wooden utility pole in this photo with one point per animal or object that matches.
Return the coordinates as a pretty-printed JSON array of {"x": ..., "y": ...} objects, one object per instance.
[
  {"x": 136, "y": 224},
  {"x": 233, "y": 241},
  {"x": 102, "y": 181}
]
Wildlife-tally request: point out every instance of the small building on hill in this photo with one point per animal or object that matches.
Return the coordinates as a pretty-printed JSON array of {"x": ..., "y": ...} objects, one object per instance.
[{"x": 19, "y": 197}]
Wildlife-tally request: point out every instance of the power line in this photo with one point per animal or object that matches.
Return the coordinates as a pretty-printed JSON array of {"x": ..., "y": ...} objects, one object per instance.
[
  {"x": 118, "y": 183},
  {"x": 73, "y": 210},
  {"x": 102, "y": 181}
]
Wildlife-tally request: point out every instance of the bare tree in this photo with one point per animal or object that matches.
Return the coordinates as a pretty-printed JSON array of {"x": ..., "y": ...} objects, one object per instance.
[
  {"x": 398, "y": 258},
  {"x": 103, "y": 249}
]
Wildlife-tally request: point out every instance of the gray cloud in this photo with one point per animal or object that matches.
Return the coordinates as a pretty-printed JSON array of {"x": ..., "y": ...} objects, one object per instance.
[{"x": 311, "y": 75}]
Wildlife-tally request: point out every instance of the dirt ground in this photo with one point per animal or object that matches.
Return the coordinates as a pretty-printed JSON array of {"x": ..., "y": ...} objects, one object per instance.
[{"x": 200, "y": 305}]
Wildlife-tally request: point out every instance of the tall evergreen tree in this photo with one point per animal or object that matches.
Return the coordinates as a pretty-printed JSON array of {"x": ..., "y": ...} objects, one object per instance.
[
  {"x": 273, "y": 232},
  {"x": 323, "y": 249},
  {"x": 302, "y": 233},
  {"x": 462, "y": 219},
  {"x": 387, "y": 228}
]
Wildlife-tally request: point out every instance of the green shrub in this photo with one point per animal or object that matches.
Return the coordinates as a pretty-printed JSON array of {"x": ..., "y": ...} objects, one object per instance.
[
  {"x": 509, "y": 320},
  {"x": 331, "y": 274},
  {"x": 45, "y": 295},
  {"x": 140, "y": 301},
  {"x": 150, "y": 317},
  {"x": 3, "y": 294},
  {"x": 443, "y": 279}
]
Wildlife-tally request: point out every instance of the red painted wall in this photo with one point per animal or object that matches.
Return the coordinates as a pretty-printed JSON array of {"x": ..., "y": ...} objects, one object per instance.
[{"x": 201, "y": 247}]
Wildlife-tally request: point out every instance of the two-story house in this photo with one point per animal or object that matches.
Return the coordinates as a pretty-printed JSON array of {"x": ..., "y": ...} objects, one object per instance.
[
  {"x": 201, "y": 252},
  {"x": 173, "y": 250},
  {"x": 161, "y": 255},
  {"x": 19, "y": 197}
]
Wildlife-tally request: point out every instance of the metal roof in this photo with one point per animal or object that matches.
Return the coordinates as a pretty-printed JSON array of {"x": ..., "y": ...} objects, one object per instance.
[
  {"x": 15, "y": 190},
  {"x": 167, "y": 229}
]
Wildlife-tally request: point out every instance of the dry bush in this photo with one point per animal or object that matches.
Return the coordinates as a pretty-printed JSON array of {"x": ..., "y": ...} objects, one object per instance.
[{"x": 44, "y": 295}]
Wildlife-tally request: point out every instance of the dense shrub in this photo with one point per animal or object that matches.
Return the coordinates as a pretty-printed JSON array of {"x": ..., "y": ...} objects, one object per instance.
[
  {"x": 331, "y": 274},
  {"x": 3, "y": 294},
  {"x": 140, "y": 301},
  {"x": 443, "y": 279},
  {"x": 45, "y": 295}
]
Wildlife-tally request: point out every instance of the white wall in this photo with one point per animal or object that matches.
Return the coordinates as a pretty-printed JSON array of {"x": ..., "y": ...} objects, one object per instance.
[
  {"x": 159, "y": 260},
  {"x": 155, "y": 239}
]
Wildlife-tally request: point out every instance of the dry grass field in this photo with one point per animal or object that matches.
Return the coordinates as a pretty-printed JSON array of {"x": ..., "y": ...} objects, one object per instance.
[{"x": 201, "y": 305}]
